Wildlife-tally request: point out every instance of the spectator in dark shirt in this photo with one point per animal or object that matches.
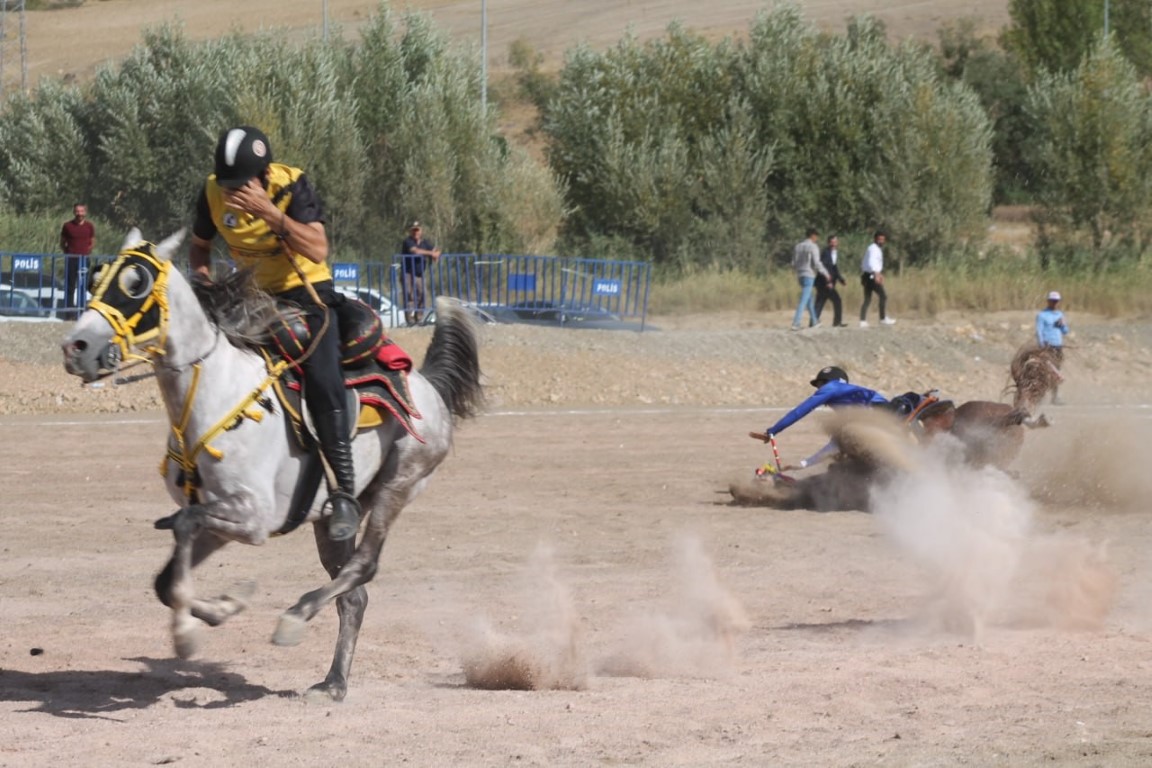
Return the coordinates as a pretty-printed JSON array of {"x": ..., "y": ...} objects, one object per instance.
[
  {"x": 77, "y": 237},
  {"x": 414, "y": 250}
]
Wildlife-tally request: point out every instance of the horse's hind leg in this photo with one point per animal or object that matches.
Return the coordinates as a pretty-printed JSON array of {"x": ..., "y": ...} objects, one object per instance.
[
  {"x": 350, "y": 608},
  {"x": 349, "y": 574}
]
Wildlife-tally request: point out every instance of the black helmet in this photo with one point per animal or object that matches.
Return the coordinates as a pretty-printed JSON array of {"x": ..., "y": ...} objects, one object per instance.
[
  {"x": 831, "y": 373},
  {"x": 241, "y": 154}
]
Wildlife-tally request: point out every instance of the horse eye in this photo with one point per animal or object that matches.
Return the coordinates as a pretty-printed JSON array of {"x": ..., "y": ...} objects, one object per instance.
[{"x": 135, "y": 282}]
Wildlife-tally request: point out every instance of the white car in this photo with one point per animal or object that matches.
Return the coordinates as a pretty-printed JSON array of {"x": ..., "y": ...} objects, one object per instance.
[
  {"x": 21, "y": 304},
  {"x": 379, "y": 303}
]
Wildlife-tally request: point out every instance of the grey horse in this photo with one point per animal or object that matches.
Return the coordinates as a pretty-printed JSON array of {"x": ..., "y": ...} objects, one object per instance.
[{"x": 232, "y": 464}]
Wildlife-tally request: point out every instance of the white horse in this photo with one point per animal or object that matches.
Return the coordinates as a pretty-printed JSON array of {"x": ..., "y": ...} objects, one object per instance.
[{"x": 232, "y": 463}]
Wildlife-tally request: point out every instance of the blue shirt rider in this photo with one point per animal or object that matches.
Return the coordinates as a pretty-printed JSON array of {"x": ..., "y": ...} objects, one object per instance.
[{"x": 833, "y": 390}]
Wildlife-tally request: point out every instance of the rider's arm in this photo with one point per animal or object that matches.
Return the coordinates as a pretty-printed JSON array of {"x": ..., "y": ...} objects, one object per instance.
[
  {"x": 830, "y": 449},
  {"x": 200, "y": 244},
  {"x": 819, "y": 398}
]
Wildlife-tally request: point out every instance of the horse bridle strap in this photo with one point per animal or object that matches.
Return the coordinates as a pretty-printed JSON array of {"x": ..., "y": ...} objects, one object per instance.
[
  {"x": 184, "y": 456},
  {"x": 142, "y": 289}
]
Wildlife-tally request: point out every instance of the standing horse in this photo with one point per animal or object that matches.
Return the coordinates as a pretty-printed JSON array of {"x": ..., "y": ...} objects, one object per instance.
[{"x": 232, "y": 462}]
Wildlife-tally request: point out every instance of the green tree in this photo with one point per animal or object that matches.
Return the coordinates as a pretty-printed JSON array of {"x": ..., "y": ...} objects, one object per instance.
[
  {"x": 1092, "y": 155},
  {"x": 1056, "y": 35},
  {"x": 998, "y": 79}
]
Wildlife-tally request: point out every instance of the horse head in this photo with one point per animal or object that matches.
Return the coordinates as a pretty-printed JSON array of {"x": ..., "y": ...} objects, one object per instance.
[{"x": 127, "y": 317}]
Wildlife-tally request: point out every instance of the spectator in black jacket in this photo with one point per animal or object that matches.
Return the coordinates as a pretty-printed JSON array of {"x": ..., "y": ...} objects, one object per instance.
[{"x": 826, "y": 287}]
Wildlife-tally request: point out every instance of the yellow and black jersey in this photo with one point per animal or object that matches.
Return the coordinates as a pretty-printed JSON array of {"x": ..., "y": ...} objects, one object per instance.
[{"x": 253, "y": 244}]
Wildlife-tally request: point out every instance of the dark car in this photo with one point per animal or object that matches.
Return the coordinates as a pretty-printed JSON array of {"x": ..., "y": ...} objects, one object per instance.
[{"x": 549, "y": 312}]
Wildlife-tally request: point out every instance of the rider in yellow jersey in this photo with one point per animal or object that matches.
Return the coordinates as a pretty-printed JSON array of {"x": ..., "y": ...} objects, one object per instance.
[{"x": 273, "y": 222}]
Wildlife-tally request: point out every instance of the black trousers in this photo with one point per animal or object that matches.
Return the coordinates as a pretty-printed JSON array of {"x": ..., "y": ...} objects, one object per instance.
[
  {"x": 868, "y": 280},
  {"x": 826, "y": 293},
  {"x": 323, "y": 377}
]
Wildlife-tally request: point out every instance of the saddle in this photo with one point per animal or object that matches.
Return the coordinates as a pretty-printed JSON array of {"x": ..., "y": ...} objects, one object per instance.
[
  {"x": 375, "y": 371},
  {"x": 375, "y": 375}
]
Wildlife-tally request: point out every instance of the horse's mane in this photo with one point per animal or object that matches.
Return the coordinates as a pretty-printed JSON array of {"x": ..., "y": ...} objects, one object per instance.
[
  {"x": 1033, "y": 373},
  {"x": 242, "y": 311}
]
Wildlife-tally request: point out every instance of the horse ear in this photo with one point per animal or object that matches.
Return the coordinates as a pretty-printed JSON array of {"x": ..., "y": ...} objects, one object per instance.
[
  {"x": 166, "y": 249},
  {"x": 133, "y": 238}
]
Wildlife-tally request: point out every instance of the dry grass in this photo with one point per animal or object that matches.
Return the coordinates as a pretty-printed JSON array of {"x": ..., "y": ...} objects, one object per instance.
[{"x": 922, "y": 293}]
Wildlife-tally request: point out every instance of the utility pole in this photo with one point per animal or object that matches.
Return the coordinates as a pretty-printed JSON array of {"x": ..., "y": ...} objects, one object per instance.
[
  {"x": 1106, "y": 3},
  {"x": 325, "y": 11},
  {"x": 23, "y": 38},
  {"x": 484, "y": 55}
]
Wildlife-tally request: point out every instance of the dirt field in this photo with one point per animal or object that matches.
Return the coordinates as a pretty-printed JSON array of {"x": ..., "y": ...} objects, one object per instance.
[
  {"x": 594, "y": 536},
  {"x": 73, "y": 42}
]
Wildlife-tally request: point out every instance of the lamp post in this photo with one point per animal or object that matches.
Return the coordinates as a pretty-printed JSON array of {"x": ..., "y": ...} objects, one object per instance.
[{"x": 484, "y": 55}]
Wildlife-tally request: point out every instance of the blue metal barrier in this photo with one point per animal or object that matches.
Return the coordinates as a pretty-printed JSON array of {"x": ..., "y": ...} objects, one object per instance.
[
  {"x": 513, "y": 288},
  {"x": 44, "y": 284},
  {"x": 543, "y": 289}
]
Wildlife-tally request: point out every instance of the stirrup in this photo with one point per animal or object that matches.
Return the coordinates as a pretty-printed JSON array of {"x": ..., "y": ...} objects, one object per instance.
[{"x": 344, "y": 522}]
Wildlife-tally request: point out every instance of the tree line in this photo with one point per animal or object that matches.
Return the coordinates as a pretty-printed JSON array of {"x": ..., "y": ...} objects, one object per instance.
[{"x": 689, "y": 152}]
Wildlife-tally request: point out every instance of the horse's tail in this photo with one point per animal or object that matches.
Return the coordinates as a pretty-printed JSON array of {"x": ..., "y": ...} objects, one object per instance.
[{"x": 452, "y": 363}]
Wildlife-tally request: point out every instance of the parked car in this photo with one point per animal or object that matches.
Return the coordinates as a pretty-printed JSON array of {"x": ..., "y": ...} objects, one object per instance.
[
  {"x": 379, "y": 303},
  {"x": 479, "y": 314},
  {"x": 16, "y": 302},
  {"x": 549, "y": 312},
  {"x": 46, "y": 291}
]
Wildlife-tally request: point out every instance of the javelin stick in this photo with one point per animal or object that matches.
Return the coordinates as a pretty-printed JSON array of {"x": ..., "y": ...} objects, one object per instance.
[{"x": 775, "y": 453}]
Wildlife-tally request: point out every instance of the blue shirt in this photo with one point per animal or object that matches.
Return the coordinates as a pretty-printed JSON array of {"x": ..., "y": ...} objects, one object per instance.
[
  {"x": 1048, "y": 333},
  {"x": 414, "y": 262},
  {"x": 834, "y": 393}
]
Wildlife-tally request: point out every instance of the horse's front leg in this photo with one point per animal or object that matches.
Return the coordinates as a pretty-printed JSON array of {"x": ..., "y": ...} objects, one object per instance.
[
  {"x": 199, "y": 530},
  {"x": 186, "y": 526}
]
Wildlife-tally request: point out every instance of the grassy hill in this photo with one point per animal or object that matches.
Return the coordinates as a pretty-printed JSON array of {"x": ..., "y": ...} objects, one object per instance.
[{"x": 71, "y": 42}]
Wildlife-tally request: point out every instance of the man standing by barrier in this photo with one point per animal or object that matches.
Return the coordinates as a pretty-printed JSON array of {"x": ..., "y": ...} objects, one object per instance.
[
  {"x": 77, "y": 237},
  {"x": 414, "y": 250}
]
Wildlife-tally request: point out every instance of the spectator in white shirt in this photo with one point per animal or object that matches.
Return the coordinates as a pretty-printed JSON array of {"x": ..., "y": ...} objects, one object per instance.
[{"x": 872, "y": 278}]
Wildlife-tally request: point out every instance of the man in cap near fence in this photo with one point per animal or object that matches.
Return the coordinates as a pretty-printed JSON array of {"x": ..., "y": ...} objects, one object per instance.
[
  {"x": 414, "y": 250},
  {"x": 1051, "y": 327}
]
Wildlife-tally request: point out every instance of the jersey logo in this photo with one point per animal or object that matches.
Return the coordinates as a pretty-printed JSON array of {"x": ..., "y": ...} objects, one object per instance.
[{"x": 230, "y": 220}]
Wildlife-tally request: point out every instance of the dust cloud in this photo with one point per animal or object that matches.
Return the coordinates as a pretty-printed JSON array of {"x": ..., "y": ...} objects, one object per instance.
[
  {"x": 696, "y": 635},
  {"x": 1098, "y": 464},
  {"x": 973, "y": 532},
  {"x": 546, "y": 655}
]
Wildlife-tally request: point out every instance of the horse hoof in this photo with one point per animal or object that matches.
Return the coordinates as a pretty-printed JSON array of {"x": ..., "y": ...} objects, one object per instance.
[
  {"x": 325, "y": 693},
  {"x": 241, "y": 594},
  {"x": 290, "y": 630},
  {"x": 185, "y": 643}
]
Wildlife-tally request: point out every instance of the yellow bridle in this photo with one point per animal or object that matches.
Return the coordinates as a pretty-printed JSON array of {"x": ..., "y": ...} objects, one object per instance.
[
  {"x": 127, "y": 336},
  {"x": 125, "y": 328}
]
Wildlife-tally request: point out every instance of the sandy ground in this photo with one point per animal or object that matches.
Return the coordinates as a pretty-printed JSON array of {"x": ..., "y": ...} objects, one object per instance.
[
  {"x": 975, "y": 619},
  {"x": 72, "y": 42}
]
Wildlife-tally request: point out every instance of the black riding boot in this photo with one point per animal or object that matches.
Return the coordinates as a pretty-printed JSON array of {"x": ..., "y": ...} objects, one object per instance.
[{"x": 333, "y": 429}]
